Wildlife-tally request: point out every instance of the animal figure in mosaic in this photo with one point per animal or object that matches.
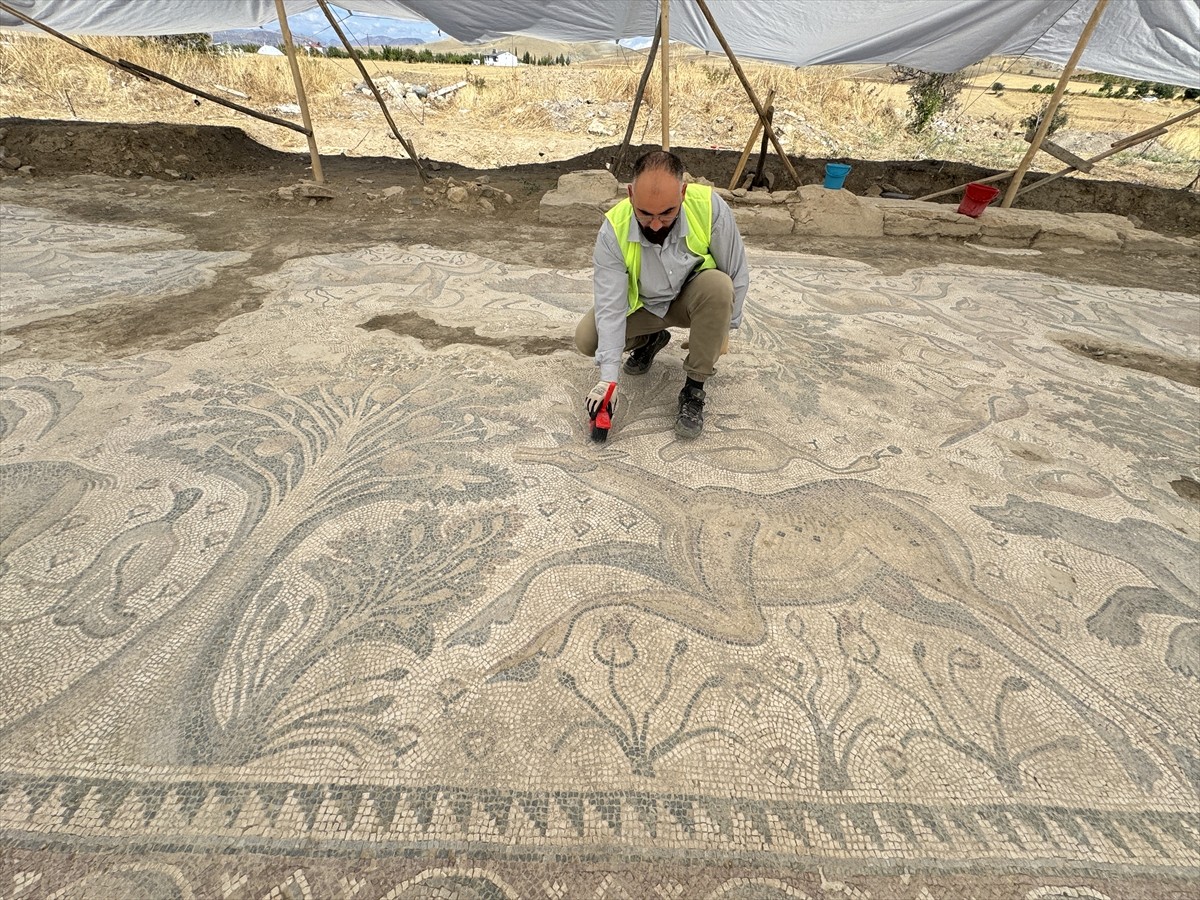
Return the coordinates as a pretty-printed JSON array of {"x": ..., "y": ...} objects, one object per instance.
[
  {"x": 754, "y": 451},
  {"x": 1168, "y": 560},
  {"x": 724, "y": 555},
  {"x": 38, "y": 496},
  {"x": 95, "y": 599},
  {"x": 1001, "y": 407}
]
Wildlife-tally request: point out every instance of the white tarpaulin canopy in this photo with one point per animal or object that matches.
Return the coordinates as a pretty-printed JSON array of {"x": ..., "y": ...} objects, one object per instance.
[{"x": 1154, "y": 40}]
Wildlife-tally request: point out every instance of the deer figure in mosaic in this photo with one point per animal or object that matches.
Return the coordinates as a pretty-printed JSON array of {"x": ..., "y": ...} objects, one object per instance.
[{"x": 724, "y": 555}]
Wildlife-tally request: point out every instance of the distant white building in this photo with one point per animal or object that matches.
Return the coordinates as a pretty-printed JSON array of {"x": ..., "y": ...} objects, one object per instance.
[
  {"x": 503, "y": 58},
  {"x": 269, "y": 51}
]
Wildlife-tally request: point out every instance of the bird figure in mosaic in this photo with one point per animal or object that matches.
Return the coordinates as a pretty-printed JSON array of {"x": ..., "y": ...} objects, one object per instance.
[
  {"x": 1003, "y": 407},
  {"x": 95, "y": 600}
]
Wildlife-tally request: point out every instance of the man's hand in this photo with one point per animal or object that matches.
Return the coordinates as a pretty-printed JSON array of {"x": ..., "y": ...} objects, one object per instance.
[{"x": 595, "y": 397}]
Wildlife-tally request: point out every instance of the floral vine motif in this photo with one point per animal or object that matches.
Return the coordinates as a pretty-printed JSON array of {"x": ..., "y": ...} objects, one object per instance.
[
  {"x": 388, "y": 587},
  {"x": 835, "y": 745},
  {"x": 613, "y": 649},
  {"x": 999, "y": 756}
]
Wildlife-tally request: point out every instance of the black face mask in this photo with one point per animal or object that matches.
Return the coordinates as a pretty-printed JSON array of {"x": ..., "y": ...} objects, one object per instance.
[{"x": 657, "y": 236}]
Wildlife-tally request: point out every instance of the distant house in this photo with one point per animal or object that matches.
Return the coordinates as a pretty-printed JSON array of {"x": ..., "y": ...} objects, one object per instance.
[{"x": 503, "y": 58}]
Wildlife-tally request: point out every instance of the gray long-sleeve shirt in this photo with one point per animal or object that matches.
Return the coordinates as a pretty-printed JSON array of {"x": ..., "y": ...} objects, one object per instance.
[{"x": 665, "y": 269}]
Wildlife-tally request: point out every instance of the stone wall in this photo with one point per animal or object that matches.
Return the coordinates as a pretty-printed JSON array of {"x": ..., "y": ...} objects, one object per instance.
[{"x": 582, "y": 198}]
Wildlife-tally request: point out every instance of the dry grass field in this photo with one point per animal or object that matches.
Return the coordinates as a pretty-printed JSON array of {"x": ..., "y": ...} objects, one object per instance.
[{"x": 535, "y": 114}]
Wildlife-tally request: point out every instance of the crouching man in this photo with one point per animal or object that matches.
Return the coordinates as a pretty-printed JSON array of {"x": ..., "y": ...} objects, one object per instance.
[{"x": 669, "y": 256}]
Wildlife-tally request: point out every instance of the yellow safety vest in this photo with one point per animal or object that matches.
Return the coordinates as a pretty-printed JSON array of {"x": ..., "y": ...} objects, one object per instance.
[{"x": 697, "y": 206}]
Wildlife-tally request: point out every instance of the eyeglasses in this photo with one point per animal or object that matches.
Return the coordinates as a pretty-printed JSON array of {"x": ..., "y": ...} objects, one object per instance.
[{"x": 664, "y": 218}]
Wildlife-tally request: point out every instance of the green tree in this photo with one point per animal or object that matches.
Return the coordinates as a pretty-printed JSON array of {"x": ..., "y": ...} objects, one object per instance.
[
  {"x": 1033, "y": 120},
  {"x": 930, "y": 93}
]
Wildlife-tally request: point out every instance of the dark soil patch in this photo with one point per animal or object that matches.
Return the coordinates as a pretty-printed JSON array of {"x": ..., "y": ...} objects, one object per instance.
[
  {"x": 70, "y": 148},
  {"x": 435, "y": 336},
  {"x": 235, "y": 207},
  {"x": 1187, "y": 488},
  {"x": 120, "y": 328},
  {"x": 1178, "y": 369}
]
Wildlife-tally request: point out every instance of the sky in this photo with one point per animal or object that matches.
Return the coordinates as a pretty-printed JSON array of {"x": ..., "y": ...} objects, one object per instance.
[{"x": 314, "y": 24}]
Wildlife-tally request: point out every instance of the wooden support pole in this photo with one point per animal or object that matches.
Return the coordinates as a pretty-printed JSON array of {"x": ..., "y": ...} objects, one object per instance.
[
  {"x": 998, "y": 177},
  {"x": 313, "y": 151},
  {"x": 407, "y": 145},
  {"x": 1146, "y": 133},
  {"x": 62, "y": 37},
  {"x": 737, "y": 171},
  {"x": 637, "y": 101},
  {"x": 664, "y": 62},
  {"x": 1062, "y": 154},
  {"x": 758, "y": 107},
  {"x": 143, "y": 72},
  {"x": 762, "y": 152},
  {"x": 150, "y": 75},
  {"x": 1116, "y": 147},
  {"x": 1052, "y": 105},
  {"x": 1120, "y": 145}
]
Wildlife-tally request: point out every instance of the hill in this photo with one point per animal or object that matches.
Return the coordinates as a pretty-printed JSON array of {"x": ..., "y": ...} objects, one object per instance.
[
  {"x": 535, "y": 47},
  {"x": 261, "y": 37}
]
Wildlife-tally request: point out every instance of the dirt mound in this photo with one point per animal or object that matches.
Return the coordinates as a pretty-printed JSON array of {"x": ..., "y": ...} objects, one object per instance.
[
  {"x": 165, "y": 151},
  {"x": 183, "y": 151}
]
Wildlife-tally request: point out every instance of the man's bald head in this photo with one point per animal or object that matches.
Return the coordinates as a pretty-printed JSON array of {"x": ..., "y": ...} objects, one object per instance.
[{"x": 656, "y": 192}]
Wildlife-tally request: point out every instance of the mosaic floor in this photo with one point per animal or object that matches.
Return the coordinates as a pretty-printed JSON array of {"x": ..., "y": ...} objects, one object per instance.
[{"x": 342, "y": 602}]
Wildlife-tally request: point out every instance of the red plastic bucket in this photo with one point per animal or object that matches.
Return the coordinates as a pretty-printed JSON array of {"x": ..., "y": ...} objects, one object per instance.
[{"x": 976, "y": 199}]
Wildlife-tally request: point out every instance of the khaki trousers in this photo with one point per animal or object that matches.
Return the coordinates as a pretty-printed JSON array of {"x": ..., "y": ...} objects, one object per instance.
[{"x": 704, "y": 307}]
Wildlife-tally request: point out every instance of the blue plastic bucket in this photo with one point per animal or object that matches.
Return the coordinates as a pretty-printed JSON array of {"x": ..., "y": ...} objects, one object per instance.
[{"x": 835, "y": 175}]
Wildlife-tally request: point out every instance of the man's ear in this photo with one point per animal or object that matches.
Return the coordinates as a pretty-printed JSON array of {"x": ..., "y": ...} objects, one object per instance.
[
  {"x": 683, "y": 192},
  {"x": 629, "y": 190}
]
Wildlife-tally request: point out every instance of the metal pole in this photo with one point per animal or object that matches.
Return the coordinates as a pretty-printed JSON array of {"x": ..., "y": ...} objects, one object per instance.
[
  {"x": 758, "y": 107},
  {"x": 318, "y": 175},
  {"x": 407, "y": 145},
  {"x": 665, "y": 63},
  {"x": 1052, "y": 105}
]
